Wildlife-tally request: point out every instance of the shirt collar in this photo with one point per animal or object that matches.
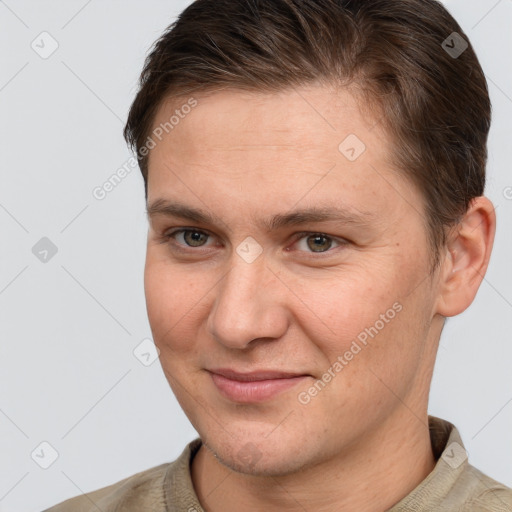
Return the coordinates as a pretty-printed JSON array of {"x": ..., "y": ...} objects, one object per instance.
[
  {"x": 447, "y": 448},
  {"x": 451, "y": 462}
]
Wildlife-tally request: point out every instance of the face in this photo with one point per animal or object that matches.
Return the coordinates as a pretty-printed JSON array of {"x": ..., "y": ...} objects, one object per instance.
[{"x": 311, "y": 259}]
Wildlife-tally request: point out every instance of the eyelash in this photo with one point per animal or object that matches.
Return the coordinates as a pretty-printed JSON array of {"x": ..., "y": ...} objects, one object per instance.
[{"x": 169, "y": 237}]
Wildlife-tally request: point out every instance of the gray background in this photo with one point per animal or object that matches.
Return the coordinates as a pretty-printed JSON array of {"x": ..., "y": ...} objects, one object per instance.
[{"x": 69, "y": 326}]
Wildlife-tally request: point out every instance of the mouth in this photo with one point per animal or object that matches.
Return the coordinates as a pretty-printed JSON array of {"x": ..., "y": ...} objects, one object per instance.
[{"x": 253, "y": 387}]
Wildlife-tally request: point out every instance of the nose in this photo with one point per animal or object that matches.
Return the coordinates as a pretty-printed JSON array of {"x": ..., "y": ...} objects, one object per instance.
[{"x": 249, "y": 305}]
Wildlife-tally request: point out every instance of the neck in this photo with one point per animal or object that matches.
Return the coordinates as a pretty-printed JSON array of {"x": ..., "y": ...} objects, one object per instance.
[{"x": 384, "y": 468}]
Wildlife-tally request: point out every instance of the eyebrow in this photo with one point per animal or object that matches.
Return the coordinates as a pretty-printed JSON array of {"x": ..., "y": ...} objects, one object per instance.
[{"x": 341, "y": 214}]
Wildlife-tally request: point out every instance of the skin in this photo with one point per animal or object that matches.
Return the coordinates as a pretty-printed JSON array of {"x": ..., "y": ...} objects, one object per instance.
[{"x": 244, "y": 157}]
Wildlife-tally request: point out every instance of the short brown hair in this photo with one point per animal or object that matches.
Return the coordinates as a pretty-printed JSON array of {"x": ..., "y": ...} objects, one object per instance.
[{"x": 435, "y": 103}]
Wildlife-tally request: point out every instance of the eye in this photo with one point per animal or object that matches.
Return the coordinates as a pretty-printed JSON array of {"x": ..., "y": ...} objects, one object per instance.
[
  {"x": 191, "y": 237},
  {"x": 317, "y": 242}
]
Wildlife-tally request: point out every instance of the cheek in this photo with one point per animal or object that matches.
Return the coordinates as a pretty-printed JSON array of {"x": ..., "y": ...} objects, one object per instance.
[
  {"x": 166, "y": 298},
  {"x": 342, "y": 305},
  {"x": 367, "y": 317},
  {"x": 174, "y": 300}
]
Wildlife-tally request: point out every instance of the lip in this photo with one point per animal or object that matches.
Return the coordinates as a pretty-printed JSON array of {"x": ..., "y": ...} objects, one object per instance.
[{"x": 252, "y": 387}]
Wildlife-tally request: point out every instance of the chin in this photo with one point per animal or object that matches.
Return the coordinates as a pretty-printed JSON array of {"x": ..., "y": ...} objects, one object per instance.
[{"x": 257, "y": 456}]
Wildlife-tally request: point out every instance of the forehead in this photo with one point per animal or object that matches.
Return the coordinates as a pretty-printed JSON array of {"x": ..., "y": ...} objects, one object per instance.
[
  {"x": 302, "y": 124},
  {"x": 305, "y": 119},
  {"x": 301, "y": 144}
]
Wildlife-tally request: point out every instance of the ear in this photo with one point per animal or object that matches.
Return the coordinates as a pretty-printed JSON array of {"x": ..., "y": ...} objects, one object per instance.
[{"x": 468, "y": 251}]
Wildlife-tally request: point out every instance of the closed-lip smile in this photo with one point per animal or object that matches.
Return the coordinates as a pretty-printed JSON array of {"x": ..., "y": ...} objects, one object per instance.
[{"x": 253, "y": 386}]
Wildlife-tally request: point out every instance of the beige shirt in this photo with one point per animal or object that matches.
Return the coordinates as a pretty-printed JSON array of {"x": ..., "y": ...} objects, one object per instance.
[{"x": 453, "y": 485}]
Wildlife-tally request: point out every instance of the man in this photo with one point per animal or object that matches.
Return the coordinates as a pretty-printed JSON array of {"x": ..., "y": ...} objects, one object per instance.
[{"x": 314, "y": 174}]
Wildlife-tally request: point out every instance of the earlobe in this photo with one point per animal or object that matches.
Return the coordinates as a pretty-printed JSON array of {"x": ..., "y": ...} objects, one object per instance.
[{"x": 467, "y": 257}]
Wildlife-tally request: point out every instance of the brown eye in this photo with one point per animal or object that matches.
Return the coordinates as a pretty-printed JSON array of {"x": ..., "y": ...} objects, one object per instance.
[
  {"x": 194, "y": 238},
  {"x": 191, "y": 237},
  {"x": 319, "y": 243}
]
